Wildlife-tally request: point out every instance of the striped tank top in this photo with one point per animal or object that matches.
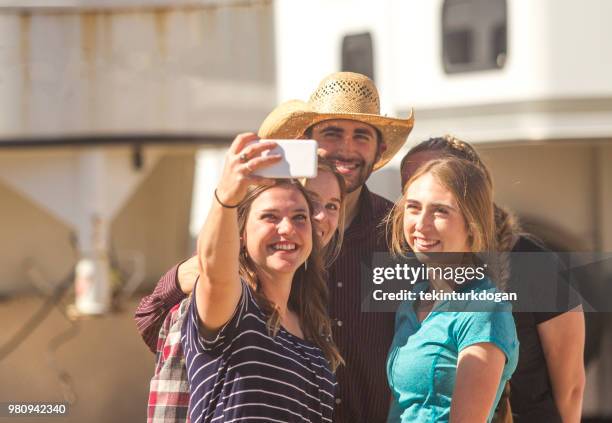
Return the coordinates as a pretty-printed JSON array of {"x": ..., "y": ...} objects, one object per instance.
[{"x": 243, "y": 374}]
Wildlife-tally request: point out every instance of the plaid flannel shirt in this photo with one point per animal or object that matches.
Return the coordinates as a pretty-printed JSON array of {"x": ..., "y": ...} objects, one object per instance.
[{"x": 169, "y": 389}]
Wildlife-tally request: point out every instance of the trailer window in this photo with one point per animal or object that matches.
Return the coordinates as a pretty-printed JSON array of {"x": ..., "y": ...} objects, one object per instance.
[
  {"x": 357, "y": 54},
  {"x": 474, "y": 35}
]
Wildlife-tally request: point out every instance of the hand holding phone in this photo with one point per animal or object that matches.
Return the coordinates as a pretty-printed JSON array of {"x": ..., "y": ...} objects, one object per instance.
[
  {"x": 298, "y": 160},
  {"x": 243, "y": 158}
]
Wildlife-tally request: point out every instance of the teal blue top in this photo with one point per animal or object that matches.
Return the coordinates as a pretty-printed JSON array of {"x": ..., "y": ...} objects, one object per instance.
[{"x": 422, "y": 361}]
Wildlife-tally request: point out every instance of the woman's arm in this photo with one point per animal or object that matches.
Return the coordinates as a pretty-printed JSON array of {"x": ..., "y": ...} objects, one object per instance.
[
  {"x": 562, "y": 340},
  {"x": 479, "y": 371},
  {"x": 218, "y": 290}
]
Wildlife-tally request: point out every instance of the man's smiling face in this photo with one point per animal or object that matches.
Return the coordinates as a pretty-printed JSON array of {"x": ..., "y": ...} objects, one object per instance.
[{"x": 351, "y": 146}]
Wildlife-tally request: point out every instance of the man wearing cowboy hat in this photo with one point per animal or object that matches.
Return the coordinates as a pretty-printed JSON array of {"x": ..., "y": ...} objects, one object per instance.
[{"x": 343, "y": 115}]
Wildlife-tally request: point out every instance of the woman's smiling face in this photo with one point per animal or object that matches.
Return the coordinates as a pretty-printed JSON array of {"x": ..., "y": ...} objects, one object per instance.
[
  {"x": 325, "y": 192},
  {"x": 278, "y": 232},
  {"x": 433, "y": 222}
]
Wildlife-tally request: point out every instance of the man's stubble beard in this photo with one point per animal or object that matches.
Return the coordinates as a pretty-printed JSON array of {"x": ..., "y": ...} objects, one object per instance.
[{"x": 364, "y": 174}]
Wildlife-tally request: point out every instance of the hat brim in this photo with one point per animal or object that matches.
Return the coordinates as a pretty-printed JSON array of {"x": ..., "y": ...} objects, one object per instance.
[{"x": 291, "y": 119}]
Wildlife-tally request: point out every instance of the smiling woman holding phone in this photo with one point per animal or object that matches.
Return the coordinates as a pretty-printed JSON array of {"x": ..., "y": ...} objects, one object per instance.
[
  {"x": 169, "y": 389},
  {"x": 257, "y": 338}
]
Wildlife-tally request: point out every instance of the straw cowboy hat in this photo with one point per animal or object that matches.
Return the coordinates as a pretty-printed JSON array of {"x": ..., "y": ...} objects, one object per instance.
[{"x": 342, "y": 95}]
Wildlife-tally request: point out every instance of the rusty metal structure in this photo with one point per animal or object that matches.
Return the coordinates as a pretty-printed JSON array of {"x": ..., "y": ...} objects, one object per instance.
[{"x": 105, "y": 106}]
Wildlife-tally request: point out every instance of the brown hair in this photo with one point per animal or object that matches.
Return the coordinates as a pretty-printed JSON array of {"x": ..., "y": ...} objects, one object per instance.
[
  {"x": 507, "y": 226},
  {"x": 332, "y": 250},
  {"x": 447, "y": 145},
  {"x": 309, "y": 294},
  {"x": 474, "y": 195}
]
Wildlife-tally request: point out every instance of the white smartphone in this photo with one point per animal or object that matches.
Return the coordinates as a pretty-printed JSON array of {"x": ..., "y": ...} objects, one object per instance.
[{"x": 298, "y": 160}]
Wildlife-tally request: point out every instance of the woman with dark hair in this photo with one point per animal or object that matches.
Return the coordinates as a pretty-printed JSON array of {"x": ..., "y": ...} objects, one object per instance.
[
  {"x": 169, "y": 388},
  {"x": 257, "y": 338},
  {"x": 548, "y": 383},
  {"x": 448, "y": 364}
]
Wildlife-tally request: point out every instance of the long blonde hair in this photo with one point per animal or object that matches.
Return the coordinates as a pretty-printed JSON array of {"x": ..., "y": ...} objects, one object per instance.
[
  {"x": 507, "y": 228},
  {"x": 332, "y": 250},
  {"x": 472, "y": 191},
  {"x": 309, "y": 296},
  {"x": 507, "y": 225}
]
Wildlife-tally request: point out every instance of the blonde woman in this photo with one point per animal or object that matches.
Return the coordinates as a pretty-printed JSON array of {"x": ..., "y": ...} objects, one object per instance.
[
  {"x": 548, "y": 384},
  {"x": 448, "y": 365}
]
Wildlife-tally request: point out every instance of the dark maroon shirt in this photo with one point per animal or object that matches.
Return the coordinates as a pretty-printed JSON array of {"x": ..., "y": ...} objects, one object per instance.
[
  {"x": 363, "y": 338},
  {"x": 152, "y": 310}
]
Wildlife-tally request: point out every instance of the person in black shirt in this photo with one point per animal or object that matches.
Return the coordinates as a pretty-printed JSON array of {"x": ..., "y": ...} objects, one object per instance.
[{"x": 548, "y": 384}]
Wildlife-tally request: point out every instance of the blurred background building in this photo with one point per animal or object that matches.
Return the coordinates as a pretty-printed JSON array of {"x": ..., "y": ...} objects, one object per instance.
[{"x": 115, "y": 115}]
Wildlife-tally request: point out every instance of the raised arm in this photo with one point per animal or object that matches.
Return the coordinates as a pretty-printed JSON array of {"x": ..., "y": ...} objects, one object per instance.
[
  {"x": 218, "y": 290},
  {"x": 563, "y": 345},
  {"x": 479, "y": 371}
]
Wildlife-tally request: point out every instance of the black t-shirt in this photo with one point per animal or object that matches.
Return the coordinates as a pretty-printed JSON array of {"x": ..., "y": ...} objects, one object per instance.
[{"x": 531, "y": 396}]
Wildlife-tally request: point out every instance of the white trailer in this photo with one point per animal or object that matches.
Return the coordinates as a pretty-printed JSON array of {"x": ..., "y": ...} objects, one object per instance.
[{"x": 527, "y": 81}]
